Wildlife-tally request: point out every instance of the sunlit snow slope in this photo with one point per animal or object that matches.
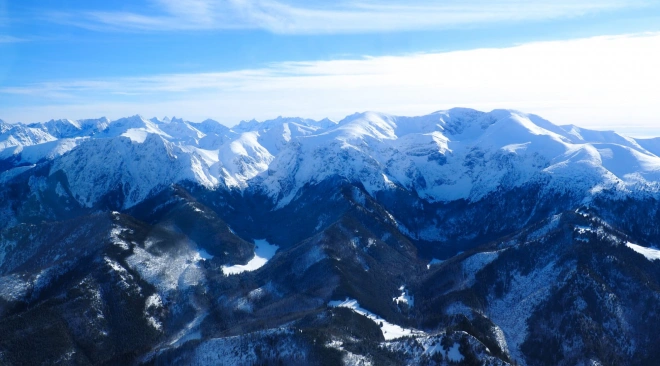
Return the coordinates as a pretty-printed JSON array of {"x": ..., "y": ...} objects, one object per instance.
[{"x": 443, "y": 156}]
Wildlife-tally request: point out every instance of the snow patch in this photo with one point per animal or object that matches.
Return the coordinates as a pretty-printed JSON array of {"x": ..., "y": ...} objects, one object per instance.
[
  {"x": 583, "y": 229},
  {"x": 263, "y": 252},
  {"x": 125, "y": 278},
  {"x": 203, "y": 255},
  {"x": 649, "y": 253},
  {"x": 153, "y": 303},
  {"x": 433, "y": 262},
  {"x": 114, "y": 236},
  {"x": 405, "y": 297},
  {"x": 167, "y": 272},
  {"x": 390, "y": 331},
  {"x": 136, "y": 135},
  {"x": 388, "y": 181},
  {"x": 453, "y": 354},
  {"x": 351, "y": 358},
  {"x": 500, "y": 338}
]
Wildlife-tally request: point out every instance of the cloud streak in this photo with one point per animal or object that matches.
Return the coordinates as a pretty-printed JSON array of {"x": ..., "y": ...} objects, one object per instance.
[
  {"x": 295, "y": 17},
  {"x": 603, "y": 82},
  {"x": 10, "y": 39}
]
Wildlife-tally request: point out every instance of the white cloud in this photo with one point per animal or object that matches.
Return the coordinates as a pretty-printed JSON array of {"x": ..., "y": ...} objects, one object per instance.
[
  {"x": 282, "y": 16},
  {"x": 602, "y": 82},
  {"x": 10, "y": 39}
]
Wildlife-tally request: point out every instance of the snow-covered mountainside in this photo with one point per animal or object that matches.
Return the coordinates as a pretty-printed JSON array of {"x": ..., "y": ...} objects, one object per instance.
[
  {"x": 444, "y": 156},
  {"x": 458, "y": 237}
]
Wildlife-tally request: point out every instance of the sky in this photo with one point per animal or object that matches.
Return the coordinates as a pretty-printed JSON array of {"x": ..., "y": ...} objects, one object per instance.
[{"x": 592, "y": 63}]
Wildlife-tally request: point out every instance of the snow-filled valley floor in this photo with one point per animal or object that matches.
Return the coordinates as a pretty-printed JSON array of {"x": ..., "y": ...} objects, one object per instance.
[{"x": 263, "y": 251}]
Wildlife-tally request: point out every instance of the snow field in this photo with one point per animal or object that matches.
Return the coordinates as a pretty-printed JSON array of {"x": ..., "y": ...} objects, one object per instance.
[
  {"x": 263, "y": 252},
  {"x": 390, "y": 331}
]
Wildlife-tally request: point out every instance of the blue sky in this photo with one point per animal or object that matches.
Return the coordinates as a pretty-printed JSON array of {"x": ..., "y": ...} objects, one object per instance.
[{"x": 589, "y": 63}]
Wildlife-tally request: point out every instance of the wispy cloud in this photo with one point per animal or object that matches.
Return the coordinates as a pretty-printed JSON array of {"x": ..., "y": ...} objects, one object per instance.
[
  {"x": 603, "y": 82},
  {"x": 10, "y": 39},
  {"x": 282, "y": 16}
]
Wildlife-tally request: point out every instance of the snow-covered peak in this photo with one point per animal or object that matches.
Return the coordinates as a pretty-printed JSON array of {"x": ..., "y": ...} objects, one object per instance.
[
  {"x": 94, "y": 125},
  {"x": 210, "y": 126},
  {"x": 182, "y": 131},
  {"x": 246, "y": 125},
  {"x": 457, "y": 121},
  {"x": 4, "y": 126},
  {"x": 32, "y": 154},
  {"x": 381, "y": 126},
  {"x": 243, "y": 159},
  {"x": 22, "y": 135},
  {"x": 513, "y": 128},
  {"x": 67, "y": 128},
  {"x": 378, "y": 126},
  {"x": 130, "y": 169},
  {"x": 254, "y": 125},
  {"x": 326, "y": 123},
  {"x": 275, "y": 134},
  {"x": 61, "y": 128},
  {"x": 583, "y": 135},
  {"x": 135, "y": 121},
  {"x": 651, "y": 145},
  {"x": 135, "y": 127},
  {"x": 165, "y": 119},
  {"x": 62, "y": 122}
]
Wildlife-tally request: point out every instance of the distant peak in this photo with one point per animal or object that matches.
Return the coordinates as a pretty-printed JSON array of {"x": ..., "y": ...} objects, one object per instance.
[
  {"x": 135, "y": 117},
  {"x": 361, "y": 115},
  {"x": 100, "y": 119},
  {"x": 459, "y": 110},
  {"x": 60, "y": 120},
  {"x": 326, "y": 122},
  {"x": 267, "y": 124},
  {"x": 504, "y": 113},
  {"x": 247, "y": 125},
  {"x": 4, "y": 126}
]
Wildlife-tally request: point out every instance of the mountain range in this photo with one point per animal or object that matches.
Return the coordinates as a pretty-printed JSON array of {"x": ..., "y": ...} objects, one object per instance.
[{"x": 460, "y": 236}]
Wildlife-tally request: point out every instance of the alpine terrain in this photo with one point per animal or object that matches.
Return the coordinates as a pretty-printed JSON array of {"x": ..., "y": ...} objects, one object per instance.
[{"x": 458, "y": 237}]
